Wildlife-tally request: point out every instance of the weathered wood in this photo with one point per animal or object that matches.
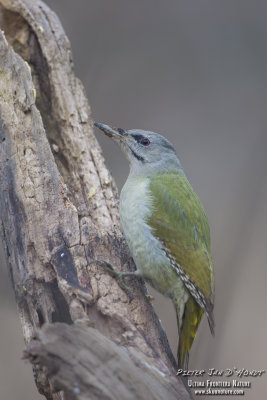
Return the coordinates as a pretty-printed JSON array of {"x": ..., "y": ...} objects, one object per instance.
[
  {"x": 58, "y": 211},
  {"x": 101, "y": 369}
]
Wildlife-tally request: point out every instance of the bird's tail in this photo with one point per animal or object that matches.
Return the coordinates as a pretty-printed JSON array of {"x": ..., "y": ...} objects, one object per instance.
[{"x": 187, "y": 330}]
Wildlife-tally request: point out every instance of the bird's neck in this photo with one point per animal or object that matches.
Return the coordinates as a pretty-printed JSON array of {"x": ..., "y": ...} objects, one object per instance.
[{"x": 158, "y": 167}]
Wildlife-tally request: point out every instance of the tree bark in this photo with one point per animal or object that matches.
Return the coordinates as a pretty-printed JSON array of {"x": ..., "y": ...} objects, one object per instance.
[{"x": 58, "y": 212}]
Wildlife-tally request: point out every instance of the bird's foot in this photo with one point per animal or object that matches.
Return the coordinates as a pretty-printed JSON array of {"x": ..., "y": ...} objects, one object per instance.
[{"x": 119, "y": 276}]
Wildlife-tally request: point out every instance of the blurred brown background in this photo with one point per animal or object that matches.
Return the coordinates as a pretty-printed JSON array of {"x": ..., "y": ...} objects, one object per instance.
[{"x": 194, "y": 71}]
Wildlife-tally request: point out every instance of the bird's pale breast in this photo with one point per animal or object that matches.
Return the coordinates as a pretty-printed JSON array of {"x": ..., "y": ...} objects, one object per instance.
[{"x": 135, "y": 208}]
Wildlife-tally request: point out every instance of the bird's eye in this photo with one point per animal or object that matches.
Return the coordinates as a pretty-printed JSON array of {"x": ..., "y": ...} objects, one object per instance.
[{"x": 145, "y": 141}]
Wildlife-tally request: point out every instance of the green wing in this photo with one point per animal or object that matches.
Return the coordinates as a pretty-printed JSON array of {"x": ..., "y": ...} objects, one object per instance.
[{"x": 179, "y": 220}]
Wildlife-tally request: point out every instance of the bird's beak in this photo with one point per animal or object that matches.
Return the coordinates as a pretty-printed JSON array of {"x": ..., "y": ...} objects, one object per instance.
[{"x": 114, "y": 133}]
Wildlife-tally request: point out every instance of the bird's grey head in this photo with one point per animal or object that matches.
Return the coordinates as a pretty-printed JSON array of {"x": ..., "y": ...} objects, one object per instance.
[{"x": 147, "y": 152}]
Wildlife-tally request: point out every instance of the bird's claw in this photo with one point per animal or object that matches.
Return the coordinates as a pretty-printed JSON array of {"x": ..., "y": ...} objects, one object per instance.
[
  {"x": 119, "y": 276},
  {"x": 121, "y": 282}
]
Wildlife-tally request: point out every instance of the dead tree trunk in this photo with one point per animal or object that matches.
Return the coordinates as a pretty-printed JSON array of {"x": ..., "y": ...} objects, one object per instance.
[{"x": 58, "y": 211}]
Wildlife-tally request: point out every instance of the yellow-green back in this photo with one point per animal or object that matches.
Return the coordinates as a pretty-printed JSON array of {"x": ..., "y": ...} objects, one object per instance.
[{"x": 179, "y": 220}]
